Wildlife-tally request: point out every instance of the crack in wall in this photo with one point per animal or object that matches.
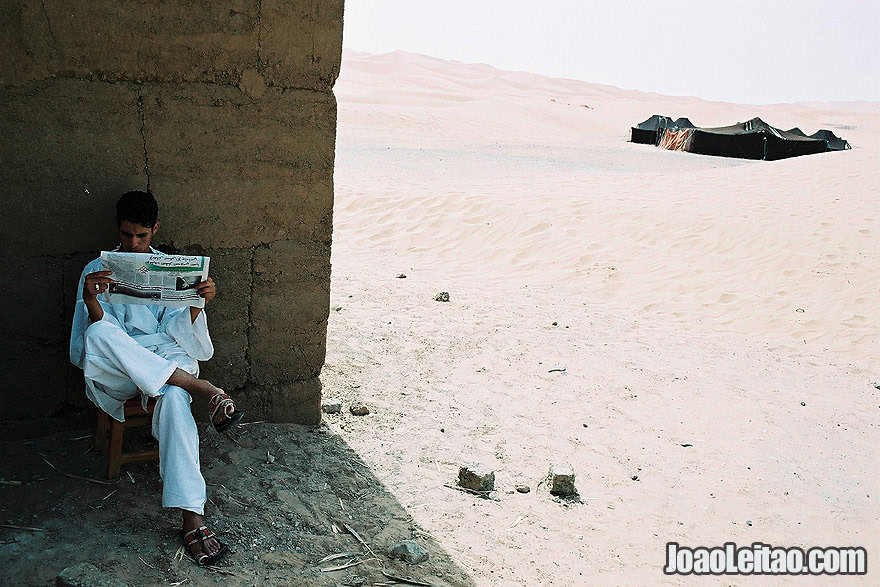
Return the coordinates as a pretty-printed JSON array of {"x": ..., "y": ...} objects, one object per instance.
[
  {"x": 314, "y": 30},
  {"x": 305, "y": 361},
  {"x": 260, "y": 35},
  {"x": 54, "y": 46},
  {"x": 250, "y": 322},
  {"x": 143, "y": 130}
]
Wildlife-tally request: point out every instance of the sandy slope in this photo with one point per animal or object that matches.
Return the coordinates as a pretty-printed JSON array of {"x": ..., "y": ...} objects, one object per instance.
[{"x": 697, "y": 300}]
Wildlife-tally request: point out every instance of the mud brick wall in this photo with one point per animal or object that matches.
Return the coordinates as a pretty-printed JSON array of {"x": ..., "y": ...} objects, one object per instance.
[{"x": 225, "y": 111}]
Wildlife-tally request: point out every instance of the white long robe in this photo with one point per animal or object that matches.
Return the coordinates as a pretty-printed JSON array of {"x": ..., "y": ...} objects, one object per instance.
[{"x": 134, "y": 349}]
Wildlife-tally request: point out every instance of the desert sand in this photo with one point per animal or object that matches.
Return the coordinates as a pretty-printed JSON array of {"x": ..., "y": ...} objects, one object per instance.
[
  {"x": 691, "y": 300},
  {"x": 695, "y": 336}
]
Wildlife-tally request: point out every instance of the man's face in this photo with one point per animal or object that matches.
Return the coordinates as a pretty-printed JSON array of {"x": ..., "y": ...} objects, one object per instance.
[{"x": 135, "y": 238}]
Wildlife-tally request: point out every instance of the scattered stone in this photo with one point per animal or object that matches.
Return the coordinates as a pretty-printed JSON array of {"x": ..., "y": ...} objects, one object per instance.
[
  {"x": 555, "y": 324},
  {"x": 442, "y": 430},
  {"x": 408, "y": 551},
  {"x": 359, "y": 410},
  {"x": 443, "y": 296},
  {"x": 799, "y": 310},
  {"x": 523, "y": 488},
  {"x": 877, "y": 384},
  {"x": 337, "y": 308},
  {"x": 86, "y": 575},
  {"x": 561, "y": 480},
  {"x": 635, "y": 477},
  {"x": 586, "y": 425},
  {"x": 354, "y": 581},
  {"x": 748, "y": 522},
  {"x": 476, "y": 477},
  {"x": 401, "y": 276},
  {"x": 333, "y": 406},
  {"x": 686, "y": 444},
  {"x": 803, "y": 403}
]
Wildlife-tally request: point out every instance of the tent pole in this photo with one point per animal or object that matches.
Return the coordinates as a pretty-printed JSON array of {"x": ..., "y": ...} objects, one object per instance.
[{"x": 764, "y": 158}]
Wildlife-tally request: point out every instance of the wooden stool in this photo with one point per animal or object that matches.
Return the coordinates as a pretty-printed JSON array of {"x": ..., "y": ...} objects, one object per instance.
[{"x": 109, "y": 432}]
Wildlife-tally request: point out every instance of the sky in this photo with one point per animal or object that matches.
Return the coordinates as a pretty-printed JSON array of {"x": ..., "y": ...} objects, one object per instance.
[{"x": 747, "y": 51}]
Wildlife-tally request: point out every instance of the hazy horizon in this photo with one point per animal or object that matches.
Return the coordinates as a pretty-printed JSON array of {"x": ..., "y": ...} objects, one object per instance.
[{"x": 746, "y": 52}]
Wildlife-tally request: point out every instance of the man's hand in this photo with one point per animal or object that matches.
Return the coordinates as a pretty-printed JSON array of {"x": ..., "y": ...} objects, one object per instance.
[
  {"x": 206, "y": 289},
  {"x": 94, "y": 284}
]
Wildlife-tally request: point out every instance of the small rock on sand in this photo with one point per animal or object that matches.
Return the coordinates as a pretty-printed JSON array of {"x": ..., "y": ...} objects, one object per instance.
[
  {"x": 401, "y": 276},
  {"x": 408, "y": 551},
  {"x": 523, "y": 488},
  {"x": 443, "y": 296},
  {"x": 333, "y": 406},
  {"x": 476, "y": 477},
  {"x": 359, "y": 410}
]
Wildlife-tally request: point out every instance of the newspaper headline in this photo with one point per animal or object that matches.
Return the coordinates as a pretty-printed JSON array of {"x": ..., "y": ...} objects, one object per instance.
[{"x": 149, "y": 278}]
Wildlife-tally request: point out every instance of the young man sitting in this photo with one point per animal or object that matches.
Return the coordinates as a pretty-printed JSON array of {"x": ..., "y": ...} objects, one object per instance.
[{"x": 130, "y": 349}]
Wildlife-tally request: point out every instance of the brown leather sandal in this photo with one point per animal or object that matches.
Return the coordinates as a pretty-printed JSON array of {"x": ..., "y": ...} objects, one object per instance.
[
  {"x": 219, "y": 403},
  {"x": 199, "y": 535}
]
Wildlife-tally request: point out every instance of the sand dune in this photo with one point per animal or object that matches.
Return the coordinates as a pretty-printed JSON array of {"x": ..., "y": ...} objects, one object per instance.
[
  {"x": 501, "y": 172},
  {"x": 696, "y": 300}
]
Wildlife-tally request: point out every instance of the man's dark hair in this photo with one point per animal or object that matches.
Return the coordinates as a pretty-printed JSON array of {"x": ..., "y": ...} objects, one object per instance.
[{"x": 137, "y": 207}]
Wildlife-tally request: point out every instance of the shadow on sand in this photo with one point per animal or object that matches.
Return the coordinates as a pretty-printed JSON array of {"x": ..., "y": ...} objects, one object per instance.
[{"x": 281, "y": 496}]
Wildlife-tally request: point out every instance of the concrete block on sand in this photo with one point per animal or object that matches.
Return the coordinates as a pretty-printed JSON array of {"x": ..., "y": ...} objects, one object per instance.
[
  {"x": 476, "y": 477},
  {"x": 561, "y": 480}
]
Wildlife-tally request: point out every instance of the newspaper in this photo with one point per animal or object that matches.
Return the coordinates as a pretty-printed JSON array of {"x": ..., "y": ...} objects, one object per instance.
[{"x": 149, "y": 278}]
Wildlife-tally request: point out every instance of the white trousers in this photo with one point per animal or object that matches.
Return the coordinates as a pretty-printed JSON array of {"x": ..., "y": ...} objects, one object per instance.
[{"x": 118, "y": 366}]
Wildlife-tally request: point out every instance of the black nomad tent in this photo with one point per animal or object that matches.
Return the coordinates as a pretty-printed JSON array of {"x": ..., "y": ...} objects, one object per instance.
[
  {"x": 648, "y": 132},
  {"x": 753, "y": 139}
]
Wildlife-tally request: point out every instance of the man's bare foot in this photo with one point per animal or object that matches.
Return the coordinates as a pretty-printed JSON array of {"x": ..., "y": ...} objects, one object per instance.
[
  {"x": 223, "y": 414},
  {"x": 222, "y": 418},
  {"x": 205, "y": 547}
]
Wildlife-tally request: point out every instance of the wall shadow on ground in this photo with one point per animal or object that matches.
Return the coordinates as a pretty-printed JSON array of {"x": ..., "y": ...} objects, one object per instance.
[{"x": 277, "y": 513}]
